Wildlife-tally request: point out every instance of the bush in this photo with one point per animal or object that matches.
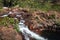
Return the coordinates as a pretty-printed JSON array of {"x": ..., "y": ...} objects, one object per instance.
[
  {"x": 57, "y": 22},
  {"x": 6, "y": 21},
  {"x": 52, "y": 16},
  {"x": 56, "y": 7},
  {"x": 35, "y": 4}
]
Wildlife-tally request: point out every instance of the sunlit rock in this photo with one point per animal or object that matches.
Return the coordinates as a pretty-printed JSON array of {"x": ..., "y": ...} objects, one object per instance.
[{"x": 9, "y": 34}]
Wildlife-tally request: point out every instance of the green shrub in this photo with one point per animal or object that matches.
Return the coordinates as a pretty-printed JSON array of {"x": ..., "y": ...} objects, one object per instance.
[
  {"x": 35, "y": 4},
  {"x": 52, "y": 16},
  {"x": 56, "y": 7},
  {"x": 6, "y": 21},
  {"x": 57, "y": 22}
]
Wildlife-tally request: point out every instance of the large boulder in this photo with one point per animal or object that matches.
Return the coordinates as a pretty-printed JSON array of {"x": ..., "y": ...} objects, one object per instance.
[{"x": 9, "y": 34}]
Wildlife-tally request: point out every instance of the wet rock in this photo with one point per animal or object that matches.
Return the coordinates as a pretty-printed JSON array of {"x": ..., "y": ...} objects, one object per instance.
[
  {"x": 19, "y": 17},
  {"x": 12, "y": 15},
  {"x": 9, "y": 34},
  {"x": 36, "y": 21}
]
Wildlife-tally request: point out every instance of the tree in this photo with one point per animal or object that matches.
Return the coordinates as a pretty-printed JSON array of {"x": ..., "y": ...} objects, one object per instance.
[{"x": 9, "y": 3}]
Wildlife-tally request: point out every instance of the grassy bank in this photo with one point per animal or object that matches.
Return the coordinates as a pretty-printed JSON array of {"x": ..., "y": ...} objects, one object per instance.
[
  {"x": 35, "y": 4},
  {"x": 6, "y": 21}
]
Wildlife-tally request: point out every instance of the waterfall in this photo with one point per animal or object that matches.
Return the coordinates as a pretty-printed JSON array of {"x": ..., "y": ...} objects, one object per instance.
[
  {"x": 27, "y": 33},
  {"x": 4, "y": 15},
  {"x": 25, "y": 30}
]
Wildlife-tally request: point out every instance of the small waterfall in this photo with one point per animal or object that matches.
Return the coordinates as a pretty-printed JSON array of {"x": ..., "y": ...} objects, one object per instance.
[
  {"x": 4, "y": 15},
  {"x": 27, "y": 33}
]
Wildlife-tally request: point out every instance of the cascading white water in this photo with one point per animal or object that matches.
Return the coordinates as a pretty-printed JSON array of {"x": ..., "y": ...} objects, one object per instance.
[
  {"x": 5, "y": 15},
  {"x": 27, "y": 33}
]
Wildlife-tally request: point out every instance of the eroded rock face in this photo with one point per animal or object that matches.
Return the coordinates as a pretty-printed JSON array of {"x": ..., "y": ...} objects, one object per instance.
[{"x": 9, "y": 34}]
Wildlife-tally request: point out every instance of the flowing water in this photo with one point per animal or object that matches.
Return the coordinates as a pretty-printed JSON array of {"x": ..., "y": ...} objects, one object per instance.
[
  {"x": 27, "y": 33},
  {"x": 6, "y": 14}
]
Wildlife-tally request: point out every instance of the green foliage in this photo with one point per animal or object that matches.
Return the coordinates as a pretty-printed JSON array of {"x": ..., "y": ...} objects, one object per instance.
[
  {"x": 1, "y": 4},
  {"x": 57, "y": 21},
  {"x": 35, "y": 4},
  {"x": 8, "y": 3},
  {"x": 56, "y": 7},
  {"x": 16, "y": 27},
  {"x": 39, "y": 4},
  {"x": 52, "y": 16},
  {"x": 36, "y": 18},
  {"x": 6, "y": 21}
]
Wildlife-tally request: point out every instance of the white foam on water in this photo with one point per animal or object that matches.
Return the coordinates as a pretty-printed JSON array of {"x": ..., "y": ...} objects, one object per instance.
[
  {"x": 27, "y": 33},
  {"x": 10, "y": 12},
  {"x": 4, "y": 15},
  {"x": 25, "y": 30}
]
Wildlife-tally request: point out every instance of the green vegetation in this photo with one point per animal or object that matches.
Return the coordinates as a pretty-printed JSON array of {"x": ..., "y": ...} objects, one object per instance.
[
  {"x": 34, "y": 4},
  {"x": 57, "y": 22},
  {"x": 6, "y": 21},
  {"x": 52, "y": 16},
  {"x": 1, "y": 4}
]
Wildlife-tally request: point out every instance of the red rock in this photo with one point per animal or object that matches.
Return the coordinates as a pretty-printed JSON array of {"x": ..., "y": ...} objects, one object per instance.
[{"x": 9, "y": 34}]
